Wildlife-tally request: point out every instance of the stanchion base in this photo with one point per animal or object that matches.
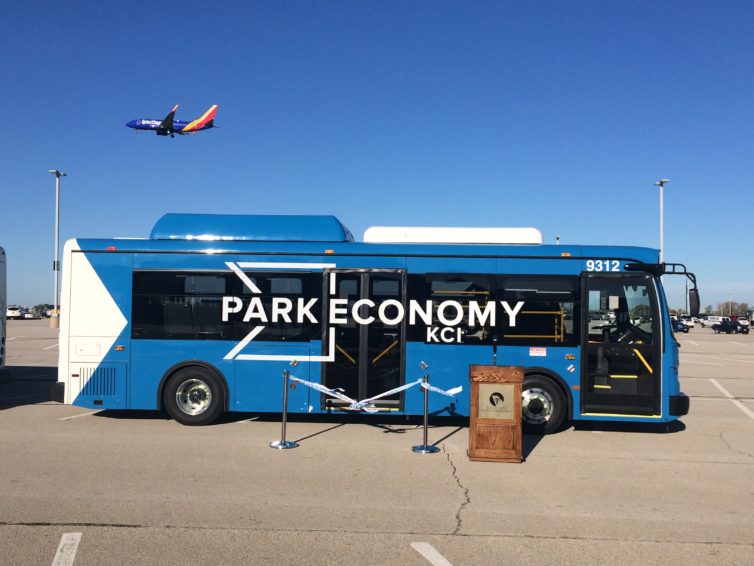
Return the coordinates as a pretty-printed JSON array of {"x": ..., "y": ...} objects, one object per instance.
[
  {"x": 425, "y": 449},
  {"x": 283, "y": 444}
]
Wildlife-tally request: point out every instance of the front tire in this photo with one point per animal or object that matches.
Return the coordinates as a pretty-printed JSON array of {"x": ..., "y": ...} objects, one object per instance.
[
  {"x": 194, "y": 396},
  {"x": 543, "y": 405}
]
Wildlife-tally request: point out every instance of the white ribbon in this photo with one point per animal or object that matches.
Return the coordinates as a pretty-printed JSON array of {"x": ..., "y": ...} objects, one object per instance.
[
  {"x": 368, "y": 404},
  {"x": 449, "y": 392},
  {"x": 337, "y": 393}
]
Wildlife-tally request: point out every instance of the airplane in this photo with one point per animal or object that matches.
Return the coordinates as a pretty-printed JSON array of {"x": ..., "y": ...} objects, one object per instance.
[{"x": 169, "y": 127}]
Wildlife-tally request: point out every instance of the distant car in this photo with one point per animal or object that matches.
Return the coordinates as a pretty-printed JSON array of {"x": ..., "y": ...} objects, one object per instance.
[
  {"x": 679, "y": 326},
  {"x": 742, "y": 319},
  {"x": 13, "y": 311},
  {"x": 688, "y": 321},
  {"x": 729, "y": 327},
  {"x": 712, "y": 320}
]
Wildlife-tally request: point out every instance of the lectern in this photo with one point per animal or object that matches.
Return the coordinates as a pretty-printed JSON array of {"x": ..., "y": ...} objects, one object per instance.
[{"x": 495, "y": 427}]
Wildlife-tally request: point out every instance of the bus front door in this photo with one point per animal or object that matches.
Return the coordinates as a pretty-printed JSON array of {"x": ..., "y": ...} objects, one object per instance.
[
  {"x": 369, "y": 345},
  {"x": 621, "y": 364}
]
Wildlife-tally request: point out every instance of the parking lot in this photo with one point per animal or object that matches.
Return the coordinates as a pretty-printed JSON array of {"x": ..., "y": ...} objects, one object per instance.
[{"x": 136, "y": 488}]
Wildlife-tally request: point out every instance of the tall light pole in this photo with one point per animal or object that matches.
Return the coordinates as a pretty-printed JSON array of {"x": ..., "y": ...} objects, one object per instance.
[
  {"x": 661, "y": 183},
  {"x": 55, "y": 320}
]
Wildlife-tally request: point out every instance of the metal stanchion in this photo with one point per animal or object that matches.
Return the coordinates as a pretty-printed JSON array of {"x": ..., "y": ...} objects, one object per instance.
[
  {"x": 425, "y": 448},
  {"x": 284, "y": 444}
]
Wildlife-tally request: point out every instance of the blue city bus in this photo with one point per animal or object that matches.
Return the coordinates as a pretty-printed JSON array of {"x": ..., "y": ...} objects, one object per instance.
[{"x": 205, "y": 315}]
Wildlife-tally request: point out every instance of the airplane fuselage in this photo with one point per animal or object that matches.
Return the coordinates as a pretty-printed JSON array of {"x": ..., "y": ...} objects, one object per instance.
[{"x": 154, "y": 125}]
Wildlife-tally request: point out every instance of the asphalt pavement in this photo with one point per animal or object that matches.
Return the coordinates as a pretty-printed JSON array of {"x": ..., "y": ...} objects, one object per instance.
[{"x": 136, "y": 488}]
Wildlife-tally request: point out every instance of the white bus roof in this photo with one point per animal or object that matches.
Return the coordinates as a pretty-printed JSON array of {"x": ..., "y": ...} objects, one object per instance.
[{"x": 451, "y": 235}]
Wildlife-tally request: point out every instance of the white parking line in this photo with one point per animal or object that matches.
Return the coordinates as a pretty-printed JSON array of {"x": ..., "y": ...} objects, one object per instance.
[
  {"x": 692, "y": 362},
  {"x": 428, "y": 551},
  {"x": 15, "y": 338},
  {"x": 249, "y": 420},
  {"x": 81, "y": 415},
  {"x": 732, "y": 359},
  {"x": 692, "y": 342},
  {"x": 739, "y": 344},
  {"x": 69, "y": 544},
  {"x": 55, "y": 345},
  {"x": 733, "y": 400}
]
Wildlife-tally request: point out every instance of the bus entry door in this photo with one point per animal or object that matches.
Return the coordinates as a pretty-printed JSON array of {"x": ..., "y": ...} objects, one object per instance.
[
  {"x": 620, "y": 368},
  {"x": 369, "y": 344}
]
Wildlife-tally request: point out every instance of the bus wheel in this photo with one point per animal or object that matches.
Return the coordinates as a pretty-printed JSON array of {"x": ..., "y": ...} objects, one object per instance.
[
  {"x": 194, "y": 396},
  {"x": 543, "y": 406}
]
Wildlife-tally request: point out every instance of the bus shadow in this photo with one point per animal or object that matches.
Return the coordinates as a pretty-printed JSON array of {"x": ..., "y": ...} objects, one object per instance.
[
  {"x": 26, "y": 385},
  {"x": 644, "y": 428},
  {"x": 388, "y": 424}
]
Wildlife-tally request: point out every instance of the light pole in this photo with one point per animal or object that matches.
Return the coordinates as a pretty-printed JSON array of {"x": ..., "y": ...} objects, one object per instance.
[
  {"x": 687, "y": 296},
  {"x": 730, "y": 305},
  {"x": 661, "y": 183},
  {"x": 54, "y": 319}
]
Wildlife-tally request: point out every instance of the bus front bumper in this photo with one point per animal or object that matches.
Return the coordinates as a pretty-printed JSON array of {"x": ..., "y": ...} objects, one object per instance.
[{"x": 679, "y": 405}]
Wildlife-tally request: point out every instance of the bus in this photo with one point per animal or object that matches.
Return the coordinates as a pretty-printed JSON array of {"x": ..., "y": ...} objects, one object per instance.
[
  {"x": 3, "y": 307},
  {"x": 205, "y": 315}
]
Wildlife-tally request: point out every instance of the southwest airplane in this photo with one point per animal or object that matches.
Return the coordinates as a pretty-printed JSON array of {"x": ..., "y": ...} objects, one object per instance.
[{"x": 168, "y": 126}]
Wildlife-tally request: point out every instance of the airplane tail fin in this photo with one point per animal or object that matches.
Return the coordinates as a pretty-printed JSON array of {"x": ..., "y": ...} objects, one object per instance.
[{"x": 206, "y": 121}]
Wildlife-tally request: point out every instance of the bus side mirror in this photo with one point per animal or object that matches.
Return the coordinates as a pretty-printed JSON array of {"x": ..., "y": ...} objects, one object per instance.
[{"x": 694, "y": 301}]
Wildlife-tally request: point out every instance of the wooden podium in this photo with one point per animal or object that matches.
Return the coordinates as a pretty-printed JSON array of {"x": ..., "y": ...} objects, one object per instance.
[{"x": 495, "y": 427}]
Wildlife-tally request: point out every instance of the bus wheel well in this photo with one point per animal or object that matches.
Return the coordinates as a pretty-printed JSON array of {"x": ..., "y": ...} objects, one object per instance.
[{"x": 189, "y": 364}]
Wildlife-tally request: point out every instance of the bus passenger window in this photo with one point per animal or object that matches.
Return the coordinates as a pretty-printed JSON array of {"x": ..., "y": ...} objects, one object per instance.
[
  {"x": 549, "y": 316},
  {"x": 461, "y": 293}
]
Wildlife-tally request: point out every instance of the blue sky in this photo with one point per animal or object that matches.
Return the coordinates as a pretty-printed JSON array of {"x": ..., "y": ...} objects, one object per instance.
[{"x": 559, "y": 115}]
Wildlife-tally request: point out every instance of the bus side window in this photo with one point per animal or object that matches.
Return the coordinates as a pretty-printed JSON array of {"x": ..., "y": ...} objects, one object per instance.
[
  {"x": 461, "y": 289},
  {"x": 549, "y": 316},
  {"x": 290, "y": 286}
]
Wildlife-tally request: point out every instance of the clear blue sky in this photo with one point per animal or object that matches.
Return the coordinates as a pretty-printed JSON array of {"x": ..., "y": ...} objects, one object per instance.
[{"x": 559, "y": 115}]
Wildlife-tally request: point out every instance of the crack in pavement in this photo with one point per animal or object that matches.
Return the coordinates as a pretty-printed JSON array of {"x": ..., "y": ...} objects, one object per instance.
[
  {"x": 467, "y": 497},
  {"x": 368, "y": 532}
]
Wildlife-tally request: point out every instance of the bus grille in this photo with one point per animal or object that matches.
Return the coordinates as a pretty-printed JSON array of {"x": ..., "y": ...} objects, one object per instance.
[{"x": 100, "y": 381}]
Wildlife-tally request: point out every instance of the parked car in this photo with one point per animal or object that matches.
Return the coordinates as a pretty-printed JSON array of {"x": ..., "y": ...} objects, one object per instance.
[
  {"x": 742, "y": 319},
  {"x": 679, "y": 326},
  {"x": 712, "y": 320},
  {"x": 688, "y": 321},
  {"x": 729, "y": 327},
  {"x": 13, "y": 311}
]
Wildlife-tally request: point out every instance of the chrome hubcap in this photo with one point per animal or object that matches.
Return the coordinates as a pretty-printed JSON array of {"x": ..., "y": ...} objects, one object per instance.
[
  {"x": 193, "y": 397},
  {"x": 537, "y": 406}
]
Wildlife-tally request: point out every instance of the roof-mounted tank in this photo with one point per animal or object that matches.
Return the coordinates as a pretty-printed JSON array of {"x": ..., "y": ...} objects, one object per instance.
[{"x": 250, "y": 227}]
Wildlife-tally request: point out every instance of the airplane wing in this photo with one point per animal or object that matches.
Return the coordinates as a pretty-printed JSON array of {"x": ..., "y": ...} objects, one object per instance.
[{"x": 167, "y": 121}]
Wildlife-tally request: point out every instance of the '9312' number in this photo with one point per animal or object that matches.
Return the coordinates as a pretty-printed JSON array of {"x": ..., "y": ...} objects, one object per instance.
[{"x": 602, "y": 265}]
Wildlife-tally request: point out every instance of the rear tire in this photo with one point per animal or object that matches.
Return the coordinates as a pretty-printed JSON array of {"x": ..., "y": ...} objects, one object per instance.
[
  {"x": 543, "y": 406},
  {"x": 194, "y": 396}
]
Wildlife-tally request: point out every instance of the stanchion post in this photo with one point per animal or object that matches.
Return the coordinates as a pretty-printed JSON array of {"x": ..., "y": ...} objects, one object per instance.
[
  {"x": 284, "y": 444},
  {"x": 425, "y": 448}
]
